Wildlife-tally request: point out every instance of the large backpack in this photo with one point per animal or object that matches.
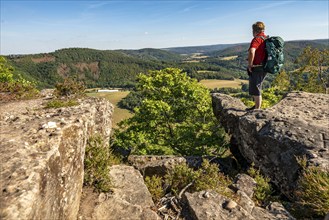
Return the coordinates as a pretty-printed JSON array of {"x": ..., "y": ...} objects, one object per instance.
[{"x": 274, "y": 54}]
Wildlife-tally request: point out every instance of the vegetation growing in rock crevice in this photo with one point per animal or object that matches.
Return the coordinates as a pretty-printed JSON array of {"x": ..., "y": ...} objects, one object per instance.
[
  {"x": 312, "y": 192},
  {"x": 66, "y": 94},
  {"x": 98, "y": 159},
  {"x": 69, "y": 88},
  {"x": 263, "y": 190},
  {"x": 183, "y": 178}
]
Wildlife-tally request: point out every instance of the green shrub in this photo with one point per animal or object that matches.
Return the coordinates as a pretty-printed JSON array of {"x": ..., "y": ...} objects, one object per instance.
[
  {"x": 58, "y": 103},
  {"x": 180, "y": 177},
  {"x": 175, "y": 117},
  {"x": 69, "y": 88},
  {"x": 205, "y": 178},
  {"x": 154, "y": 185},
  {"x": 263, "y": 191},
  {"x": 312, "y": 192},
  {"x": 98, "y": 160},
  {"x": 14, "y": 87},
  {"x": 6, "y": 71},
  {"x": 209, "y": 177}
]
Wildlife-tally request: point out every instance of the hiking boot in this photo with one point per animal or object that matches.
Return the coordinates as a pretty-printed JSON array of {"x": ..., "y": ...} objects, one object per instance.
[{"x": 251, "y": 108}]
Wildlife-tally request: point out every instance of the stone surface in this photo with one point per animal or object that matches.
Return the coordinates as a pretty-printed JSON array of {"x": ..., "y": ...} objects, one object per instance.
[
  {"x": 155, "y": 165},
  {"x": 272, "y": 139},
  {"x": 214, "y": 206},
  {"x": 245, "y": 183},
  {"x": 246, "y": 202},
  {"x": 42, "y": 153},
  {"x": 130, "y": 198},
  {"x": 273, "y": 211},
  {"x": 217, "y": 207}
]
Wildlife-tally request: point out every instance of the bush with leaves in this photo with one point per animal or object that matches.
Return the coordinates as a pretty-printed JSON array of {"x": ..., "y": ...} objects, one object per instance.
[
  {"x": 206, "y": 177},
  {"x": 69, "y": 88},
  {"x": 14, "y": 86},
  {"x": 154, "y": 185},
  {"x": 175, "y": 117}
]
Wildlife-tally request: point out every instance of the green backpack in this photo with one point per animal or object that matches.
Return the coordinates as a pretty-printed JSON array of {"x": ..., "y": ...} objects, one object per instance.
[{"x": 274, "y": 54}]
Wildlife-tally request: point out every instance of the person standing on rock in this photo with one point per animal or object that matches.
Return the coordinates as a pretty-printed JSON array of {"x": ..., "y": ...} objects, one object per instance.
[{"x": 256, "y": 57}]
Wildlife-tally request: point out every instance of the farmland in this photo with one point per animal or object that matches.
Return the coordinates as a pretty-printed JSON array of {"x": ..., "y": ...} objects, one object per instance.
[{"x": 121, "y": 114}]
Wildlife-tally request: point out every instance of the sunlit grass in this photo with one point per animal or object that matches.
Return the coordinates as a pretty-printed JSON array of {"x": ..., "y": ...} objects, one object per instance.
[
  {"x": 214, "y": 83},
  {"x": 114, "y": 97}
]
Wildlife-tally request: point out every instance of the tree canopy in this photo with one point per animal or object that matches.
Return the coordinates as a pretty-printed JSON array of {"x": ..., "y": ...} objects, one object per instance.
[{"x": 175, "y": 117}]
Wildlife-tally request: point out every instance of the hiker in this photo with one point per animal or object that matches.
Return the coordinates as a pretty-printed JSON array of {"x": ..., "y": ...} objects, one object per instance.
[{"x": 256, "y": 57}]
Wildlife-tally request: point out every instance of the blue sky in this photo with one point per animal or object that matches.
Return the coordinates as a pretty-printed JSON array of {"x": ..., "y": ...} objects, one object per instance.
[{"x": 45, "y": 26}]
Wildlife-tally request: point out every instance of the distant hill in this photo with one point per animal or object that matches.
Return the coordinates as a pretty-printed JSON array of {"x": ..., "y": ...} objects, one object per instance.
[
  {"x": 119, "y": 68},
  {"x": 153, "y": 54},
  {"x": 198, "y": 49},
  {"x": 95, "y": 67},
  {"x": 227, "y": 49}
]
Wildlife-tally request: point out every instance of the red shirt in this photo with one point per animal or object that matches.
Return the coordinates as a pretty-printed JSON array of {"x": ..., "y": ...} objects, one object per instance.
[{"x": 259, "y": 44}]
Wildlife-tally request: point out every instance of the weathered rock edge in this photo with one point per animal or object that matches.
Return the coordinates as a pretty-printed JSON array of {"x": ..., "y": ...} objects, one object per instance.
[
  {"x": 272, "y": 139},
  {"x": 129, "y": 199},
  {"x": 42, "y": 154}
]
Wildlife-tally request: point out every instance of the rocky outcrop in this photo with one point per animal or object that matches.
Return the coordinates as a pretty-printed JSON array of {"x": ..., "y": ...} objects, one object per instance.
[
  {"x": 206, "y": 205},
  {"x": 42, "y": 153},
  {"x": 272, "y": 139},
  {"x": 209, "y": 204},
  {"x": 130, "y": 198}
]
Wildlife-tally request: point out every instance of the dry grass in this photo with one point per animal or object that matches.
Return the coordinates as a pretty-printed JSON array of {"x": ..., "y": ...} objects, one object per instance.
[
  {"x": 229, "y": 58},
  {"x": 114, "y": 97},
  {"x": 212, "y": 83}
]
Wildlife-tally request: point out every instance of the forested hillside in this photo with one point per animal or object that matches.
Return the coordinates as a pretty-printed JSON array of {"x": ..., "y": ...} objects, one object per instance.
[{"x": 119, "y": 68}]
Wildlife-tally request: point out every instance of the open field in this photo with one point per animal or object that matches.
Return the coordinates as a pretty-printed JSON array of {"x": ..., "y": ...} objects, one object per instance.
[
  {"x": 229, "y": 58},
  {"x": 121, "y": 114},
  {"x": 114, "y": 97},
  {"x": 215, "y": 83}
]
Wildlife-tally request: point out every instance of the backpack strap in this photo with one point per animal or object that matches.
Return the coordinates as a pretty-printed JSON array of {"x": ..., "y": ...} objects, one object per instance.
[{"x": 262, "y": 37}]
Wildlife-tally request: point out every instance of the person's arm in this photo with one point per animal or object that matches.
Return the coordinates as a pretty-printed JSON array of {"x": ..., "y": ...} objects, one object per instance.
[{"x": 251, "y": 56}]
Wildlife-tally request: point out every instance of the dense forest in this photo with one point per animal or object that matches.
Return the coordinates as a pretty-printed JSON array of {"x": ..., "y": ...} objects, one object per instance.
[{"x": 120, "y": 68}]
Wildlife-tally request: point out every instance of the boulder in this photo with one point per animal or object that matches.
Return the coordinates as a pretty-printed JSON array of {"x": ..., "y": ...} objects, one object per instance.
[
  {"x": 274, "y": 138},
  {"x": 130, "y": 198},
  {"x": 42, "y": 153},
  {"x": 207, "y": 205},
  {"x": 245, "y": 183}
]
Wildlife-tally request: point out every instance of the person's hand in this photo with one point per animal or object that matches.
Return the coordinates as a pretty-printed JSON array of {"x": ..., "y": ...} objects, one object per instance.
[{"x": 249, "y": 70}]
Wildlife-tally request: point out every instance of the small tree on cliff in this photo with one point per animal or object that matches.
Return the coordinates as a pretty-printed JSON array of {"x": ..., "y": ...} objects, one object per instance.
[
  {"x": 313, "y": 76},
  {"x": 175, "y": 117}
]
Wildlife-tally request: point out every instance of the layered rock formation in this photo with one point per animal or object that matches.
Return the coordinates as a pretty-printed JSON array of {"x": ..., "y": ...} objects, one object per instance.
[
  {"x": 274, "y": 138},
  {"x": 42, "y": 153}
]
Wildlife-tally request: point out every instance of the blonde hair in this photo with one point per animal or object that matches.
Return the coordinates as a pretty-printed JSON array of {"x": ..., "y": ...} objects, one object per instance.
[{"x": 258, "y": 27}]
